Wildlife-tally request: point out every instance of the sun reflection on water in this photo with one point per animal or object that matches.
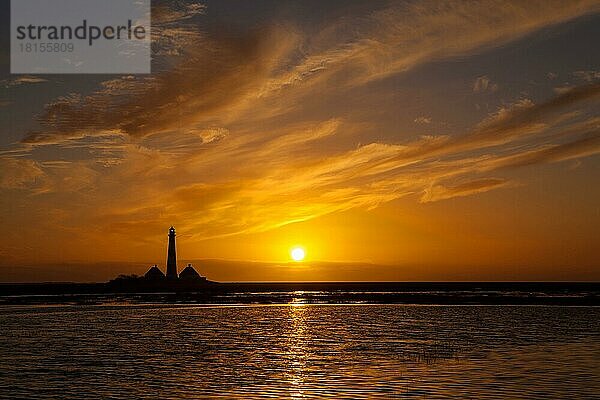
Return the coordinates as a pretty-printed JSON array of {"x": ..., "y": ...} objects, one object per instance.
[{"x": 296, "y": 348}]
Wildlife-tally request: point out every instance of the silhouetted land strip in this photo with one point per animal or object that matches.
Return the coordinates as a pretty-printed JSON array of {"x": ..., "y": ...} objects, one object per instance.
[{"x": 499, "y": 293}]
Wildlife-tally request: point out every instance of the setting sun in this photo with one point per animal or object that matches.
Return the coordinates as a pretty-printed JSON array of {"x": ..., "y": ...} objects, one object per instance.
[{"x": 297, "y": 254}]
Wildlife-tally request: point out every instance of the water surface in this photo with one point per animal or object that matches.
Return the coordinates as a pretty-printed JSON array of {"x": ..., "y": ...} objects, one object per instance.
[{"x": 296, "y": 351}]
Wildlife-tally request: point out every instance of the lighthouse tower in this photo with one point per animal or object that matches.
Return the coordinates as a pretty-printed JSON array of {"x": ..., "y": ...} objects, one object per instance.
[{"x": 171, "y": 256}]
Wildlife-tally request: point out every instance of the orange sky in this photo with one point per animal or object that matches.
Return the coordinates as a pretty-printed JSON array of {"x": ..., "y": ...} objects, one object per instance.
[{"x": 391, "y": 140}]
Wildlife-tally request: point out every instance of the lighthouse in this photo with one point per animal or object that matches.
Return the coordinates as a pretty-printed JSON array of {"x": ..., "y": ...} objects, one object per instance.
[
  {"x": 189, "y": 276},
  {"x": 171, "y": 256}
]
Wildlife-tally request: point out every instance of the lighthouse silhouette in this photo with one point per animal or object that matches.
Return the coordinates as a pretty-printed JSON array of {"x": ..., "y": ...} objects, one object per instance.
[{"x": 171, "y": 256}]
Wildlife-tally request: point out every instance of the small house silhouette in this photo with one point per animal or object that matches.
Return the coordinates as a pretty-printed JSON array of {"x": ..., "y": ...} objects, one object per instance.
[
  {"x": 154, "y": 274},
  {"x": 189, "y": 273}
]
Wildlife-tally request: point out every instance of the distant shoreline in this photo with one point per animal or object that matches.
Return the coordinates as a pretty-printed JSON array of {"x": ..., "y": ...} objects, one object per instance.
[{"x": 445, "y": 293}]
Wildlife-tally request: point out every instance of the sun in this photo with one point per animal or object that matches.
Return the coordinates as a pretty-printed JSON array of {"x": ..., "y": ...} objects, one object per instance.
[{"x": 297, "y": 254}]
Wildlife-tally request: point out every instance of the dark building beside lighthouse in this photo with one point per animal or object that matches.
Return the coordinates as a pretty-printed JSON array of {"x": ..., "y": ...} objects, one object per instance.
[
  {"x": 154, "y": 274},
  {"x": 188, "y": 274}
]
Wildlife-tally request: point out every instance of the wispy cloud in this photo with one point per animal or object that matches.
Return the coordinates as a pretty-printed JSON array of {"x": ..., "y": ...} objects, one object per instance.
[
  {"x": 440, "y": 192},
  {"x": 223, "y": 140},
  {"x": 22, "y": 80},
  {"x": 422, "y": 120},
  {"x": 216, "y": 79},
  {"x": 429, "y": 31},
  {"x": 484, "y": 84},
  {"x": 255, "y": 183},
  {"x": 587, "y": 76},
  {"x": 213, "y": 77},
  {"x": 19, "y": 173}
]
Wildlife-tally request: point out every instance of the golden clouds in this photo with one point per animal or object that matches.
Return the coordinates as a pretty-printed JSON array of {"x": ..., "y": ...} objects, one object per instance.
[
  {"x": 16, "y": 173},
  {"x": 245, "y": 133},
  {"x": 439, "y": 192}
]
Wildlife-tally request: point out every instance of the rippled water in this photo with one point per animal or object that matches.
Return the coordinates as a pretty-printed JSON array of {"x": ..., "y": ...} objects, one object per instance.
[{"x": 295, "y": 351}]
